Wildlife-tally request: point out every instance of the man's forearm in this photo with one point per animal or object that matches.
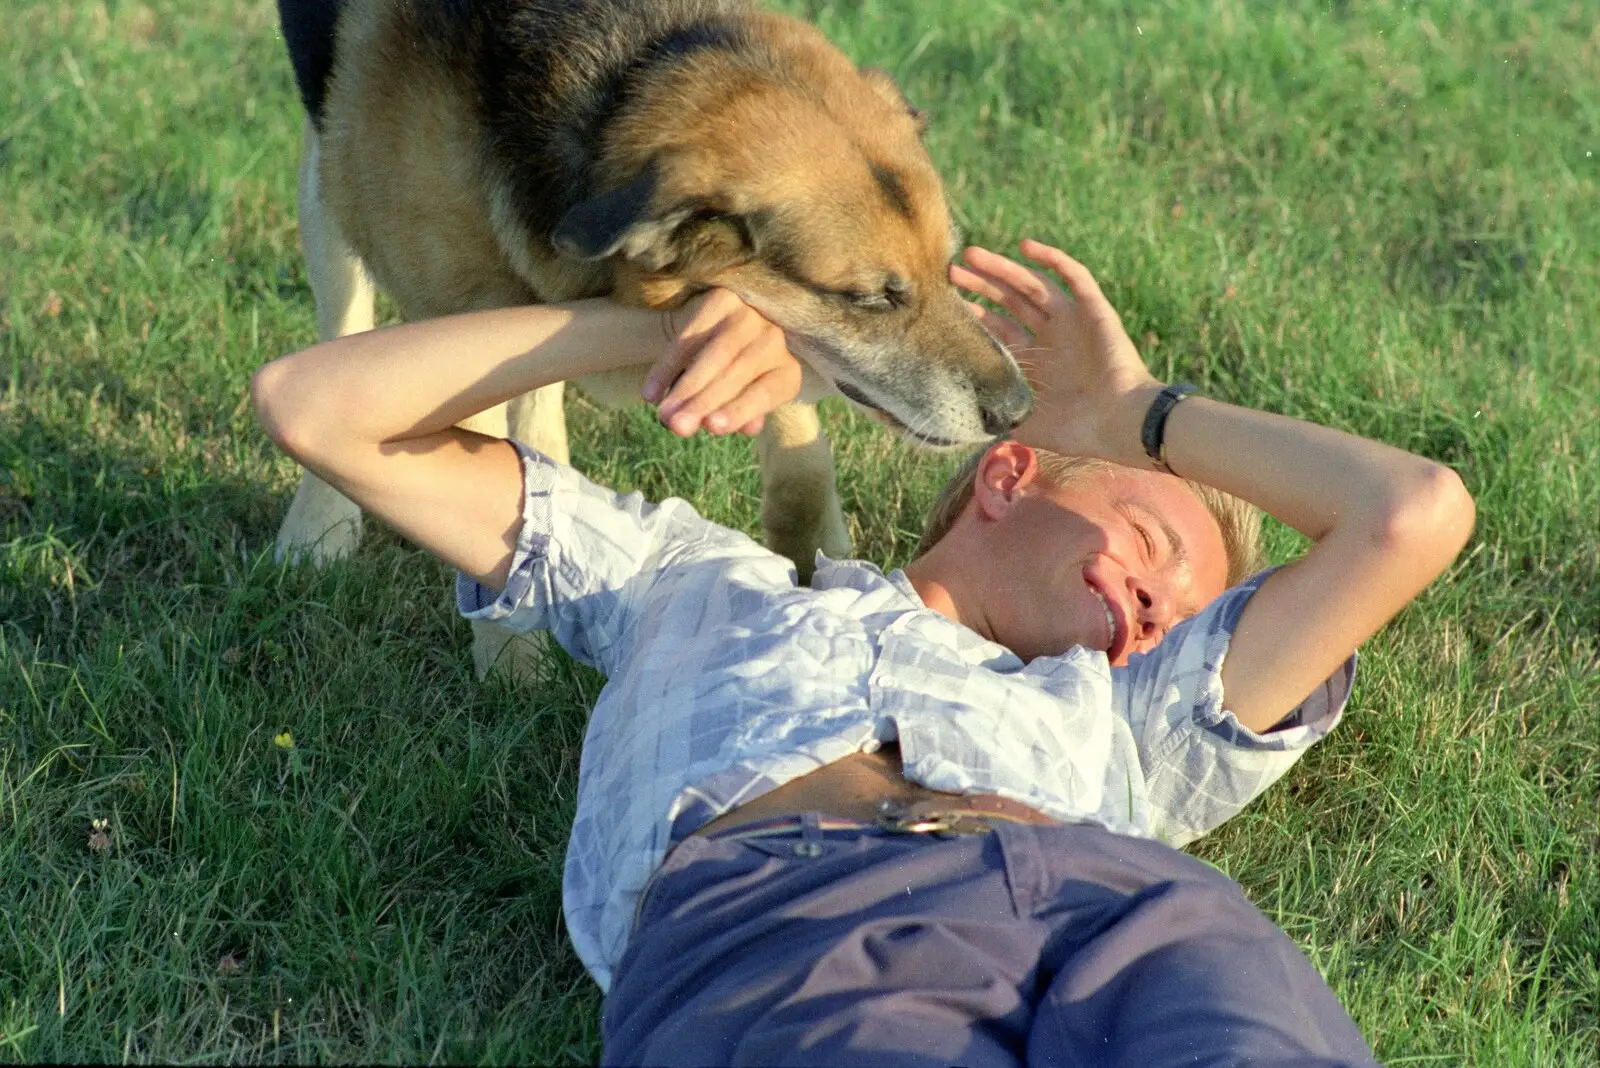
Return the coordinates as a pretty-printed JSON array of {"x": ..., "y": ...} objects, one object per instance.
[
  {"x": 1385, "y": 523},
  {"x": 1312, "y": 478},
  {"x": 414, "y": 380},
  {"x": 375, "y": 415}
]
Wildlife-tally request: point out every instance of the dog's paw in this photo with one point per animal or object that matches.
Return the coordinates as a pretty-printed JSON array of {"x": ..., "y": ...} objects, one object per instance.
[
  {"x": 494, "y": 648},
  {"x": 799, "y": 533},
  {"x": 323, "y": 525},
  {"x": 335, "y": 543}
]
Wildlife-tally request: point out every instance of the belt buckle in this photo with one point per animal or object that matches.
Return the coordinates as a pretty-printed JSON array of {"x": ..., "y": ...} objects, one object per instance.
[{"x": 893, "y": 819}]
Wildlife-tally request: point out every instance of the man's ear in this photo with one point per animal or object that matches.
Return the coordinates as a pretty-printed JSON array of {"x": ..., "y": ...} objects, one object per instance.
[
  {"x": 889, "y": 89},
  {"x": 1004, "y": 476},
  {"x": 685, "y": 239}
]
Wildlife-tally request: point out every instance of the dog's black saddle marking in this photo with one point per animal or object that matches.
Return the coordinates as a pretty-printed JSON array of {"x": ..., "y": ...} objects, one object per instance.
[{"x": 308, "y": 31}]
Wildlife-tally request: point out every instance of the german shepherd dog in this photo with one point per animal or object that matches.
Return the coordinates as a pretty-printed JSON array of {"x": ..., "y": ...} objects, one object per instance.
[{"x": 470, "y": 154}]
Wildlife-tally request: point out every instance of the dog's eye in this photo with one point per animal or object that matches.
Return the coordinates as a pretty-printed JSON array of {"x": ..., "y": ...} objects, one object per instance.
[
  {"x": 894, "y": 294},
  {"x": 879, "y": 301}
]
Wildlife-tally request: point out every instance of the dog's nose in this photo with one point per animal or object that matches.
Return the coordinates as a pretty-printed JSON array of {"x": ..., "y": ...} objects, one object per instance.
[{"x": 1005, "y": 407}]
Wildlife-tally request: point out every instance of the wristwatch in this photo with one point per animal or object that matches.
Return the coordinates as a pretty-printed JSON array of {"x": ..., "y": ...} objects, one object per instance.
[{"x": 1153, "y": 433}]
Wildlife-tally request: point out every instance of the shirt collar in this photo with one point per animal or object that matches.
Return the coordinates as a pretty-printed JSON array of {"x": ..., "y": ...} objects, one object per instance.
[{"x": 864, "y": 576}]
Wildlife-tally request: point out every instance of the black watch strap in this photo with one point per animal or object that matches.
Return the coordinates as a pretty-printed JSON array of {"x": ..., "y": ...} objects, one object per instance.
[{"x": 1153, "y": 434}]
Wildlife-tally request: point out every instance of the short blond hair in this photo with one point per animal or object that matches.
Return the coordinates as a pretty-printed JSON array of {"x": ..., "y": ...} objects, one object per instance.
[{"x": 1239, "y": 520}]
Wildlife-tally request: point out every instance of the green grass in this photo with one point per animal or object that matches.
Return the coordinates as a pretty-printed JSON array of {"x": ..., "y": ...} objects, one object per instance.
[{"x": 1383, "y": 216}]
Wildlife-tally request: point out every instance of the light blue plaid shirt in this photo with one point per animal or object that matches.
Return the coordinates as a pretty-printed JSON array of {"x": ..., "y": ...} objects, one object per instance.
[{"x": 727, "y": 680}]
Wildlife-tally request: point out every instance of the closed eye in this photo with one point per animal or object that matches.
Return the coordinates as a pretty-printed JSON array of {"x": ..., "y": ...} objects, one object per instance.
[
  {"x": 1146, "y": 541},
  {"x": 896, "y": 293},
  {"x": 879, "y": 301}
]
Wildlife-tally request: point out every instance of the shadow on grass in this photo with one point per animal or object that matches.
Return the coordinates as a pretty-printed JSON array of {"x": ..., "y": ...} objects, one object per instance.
[
  {"x": 317, "y": 827},
  {"x": 1462, "y": 251},
  {"x": 167, "y": 208},
  {"x": 91, "y": 530}
]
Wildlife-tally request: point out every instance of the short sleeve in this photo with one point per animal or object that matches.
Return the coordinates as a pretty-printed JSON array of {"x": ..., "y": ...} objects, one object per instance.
[
  {"x": 586, "y": 557},
  {"x": 1201, "y": 765}
]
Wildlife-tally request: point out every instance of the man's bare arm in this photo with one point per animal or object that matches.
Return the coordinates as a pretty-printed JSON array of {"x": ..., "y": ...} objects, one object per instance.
[
  {"x": 374, "y": 414},
  {"x": 1385, "y": 522}
]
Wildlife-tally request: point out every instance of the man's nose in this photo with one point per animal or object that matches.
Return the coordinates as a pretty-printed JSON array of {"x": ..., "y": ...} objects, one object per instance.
[{"x": 1155, "y": 612}]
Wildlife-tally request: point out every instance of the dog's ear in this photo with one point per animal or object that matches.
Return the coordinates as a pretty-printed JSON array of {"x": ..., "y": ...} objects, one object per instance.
[
  {"x": 616, "y": 221},
  {"x": 882, "y": 81},
  {"x": 708, "y": 241},
  {"x": 694, "y": 240}
]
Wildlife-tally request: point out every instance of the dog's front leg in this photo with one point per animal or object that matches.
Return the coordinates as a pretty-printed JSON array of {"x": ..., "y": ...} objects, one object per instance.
[
  {"x": 539, "y": 420},
  {"x": 323, "y": 524},
  {"x": 800, "y": 509}
]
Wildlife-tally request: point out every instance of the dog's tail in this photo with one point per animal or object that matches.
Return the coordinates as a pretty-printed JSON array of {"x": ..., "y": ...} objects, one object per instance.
[{"x": 308, "y": 30}]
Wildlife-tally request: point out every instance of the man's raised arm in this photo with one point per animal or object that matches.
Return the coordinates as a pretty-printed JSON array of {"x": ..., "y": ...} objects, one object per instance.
[
  {"x": 1385, "y": 522},
  {"x": 374, "y": 414}
]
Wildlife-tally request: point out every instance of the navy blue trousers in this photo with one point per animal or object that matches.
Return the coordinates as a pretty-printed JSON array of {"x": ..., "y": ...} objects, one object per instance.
[{"x": 1031, "y": 945}]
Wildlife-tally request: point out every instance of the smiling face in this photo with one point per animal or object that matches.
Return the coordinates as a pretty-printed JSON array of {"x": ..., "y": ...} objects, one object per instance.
[
  {"x": 1121, "y": 557},
  {"x": 1111, "y": 561}
]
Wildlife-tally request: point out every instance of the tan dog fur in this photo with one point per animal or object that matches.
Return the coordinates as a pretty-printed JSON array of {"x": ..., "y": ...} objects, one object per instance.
[{"x": 796, "y": 180}]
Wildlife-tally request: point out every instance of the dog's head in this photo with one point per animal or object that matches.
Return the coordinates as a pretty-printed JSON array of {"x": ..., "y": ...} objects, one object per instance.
[{"x": 824, "y": 212}]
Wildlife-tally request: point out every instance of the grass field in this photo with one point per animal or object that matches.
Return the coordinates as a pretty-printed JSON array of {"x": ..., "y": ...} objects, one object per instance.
[{"x": 1383, "y": 216}]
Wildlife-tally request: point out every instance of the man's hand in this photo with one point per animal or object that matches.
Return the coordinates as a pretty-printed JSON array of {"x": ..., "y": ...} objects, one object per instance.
[
  {"x": 1091, "y": 385},
  {"x": 1385, "y": 523},
  {"x": 727, "y": 368}
]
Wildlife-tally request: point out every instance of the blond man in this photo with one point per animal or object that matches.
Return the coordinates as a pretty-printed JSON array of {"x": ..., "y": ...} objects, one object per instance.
[{"x": 925, "y": 817}]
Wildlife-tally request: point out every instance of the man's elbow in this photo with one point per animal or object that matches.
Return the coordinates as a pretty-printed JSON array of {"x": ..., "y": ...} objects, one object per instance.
[
  {"x": 1429, "y": 523},
  {"x": 282, "y": 406}
]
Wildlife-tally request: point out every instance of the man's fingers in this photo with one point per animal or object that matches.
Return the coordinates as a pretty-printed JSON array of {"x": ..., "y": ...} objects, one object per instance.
[
  {"x": 709, "y": 364},
  {"x": 708, "y": 322},
  {"x": 726, "y": 370},
  {"x": 1010, "y": 334},
  {"x": 988, "y": 286},
  {"x": 1028, "y": 283},
  {"x": 1077, "y": 277},
  {"x": 699, "y": 331},
  {"x": 747, "y": 412},
  {"x": 705, "y": 407},
  {"x": 973, "y": 282},
  {"x": 664, "y": 372},
  {"x": 725, "y": 390}
]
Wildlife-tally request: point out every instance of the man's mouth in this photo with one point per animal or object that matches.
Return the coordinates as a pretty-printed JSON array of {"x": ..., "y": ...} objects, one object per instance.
[{"x": 1113, "y": 647}]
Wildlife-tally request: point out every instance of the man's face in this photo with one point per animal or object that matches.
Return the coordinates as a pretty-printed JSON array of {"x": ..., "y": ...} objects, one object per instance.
[{"x": 1111, "y": 561}]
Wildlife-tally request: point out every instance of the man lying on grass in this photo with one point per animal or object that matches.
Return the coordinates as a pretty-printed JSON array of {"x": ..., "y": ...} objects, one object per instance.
[{"x": 924, "y": 818}]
